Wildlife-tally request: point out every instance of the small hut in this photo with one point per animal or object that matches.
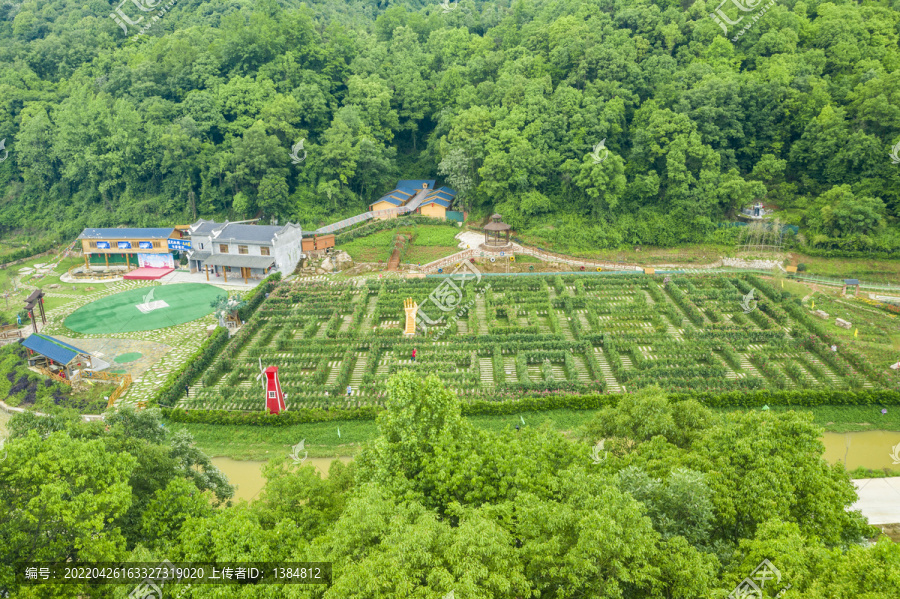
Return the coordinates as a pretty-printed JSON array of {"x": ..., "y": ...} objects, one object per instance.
[
  {"x": 496, "y": 232},
  {"x": 55, "y": 355}
]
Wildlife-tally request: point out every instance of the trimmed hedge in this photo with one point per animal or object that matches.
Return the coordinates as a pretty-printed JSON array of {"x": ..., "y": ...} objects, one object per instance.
[
  {"x": 195, "y": 365},
  {"x": 733, "y": 399},
  {"x": 172, "y": 390}
]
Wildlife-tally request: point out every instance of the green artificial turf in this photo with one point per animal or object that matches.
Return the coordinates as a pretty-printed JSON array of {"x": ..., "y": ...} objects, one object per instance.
[{"x": 118, "y": 313}]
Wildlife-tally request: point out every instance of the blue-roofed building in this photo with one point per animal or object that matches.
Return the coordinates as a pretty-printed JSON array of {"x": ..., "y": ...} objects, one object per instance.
[
  {"x": 408, "y": 193},
  {"x": 437, "y": 203},
  {"x": 132, "y": 247},
  {"x": 415, "y": 184},
  {"x": 49, "y": 352}
]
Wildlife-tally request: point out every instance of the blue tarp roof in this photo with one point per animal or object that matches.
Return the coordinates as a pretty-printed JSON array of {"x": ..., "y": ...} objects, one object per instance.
[
  {"x": 52, "y": 348},
  {"x": 126, "y": 233},
  {"x": 851, "y": 281}
]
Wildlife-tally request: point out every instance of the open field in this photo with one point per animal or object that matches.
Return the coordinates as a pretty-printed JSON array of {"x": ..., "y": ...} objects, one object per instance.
[
  {"x": 506, "y": 337},
  {"x": 430, "y": 242}
]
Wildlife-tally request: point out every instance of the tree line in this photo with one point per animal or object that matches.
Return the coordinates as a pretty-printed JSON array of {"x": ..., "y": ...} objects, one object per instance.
[
  {"x": 678, "y": 502},
  {"x": 505, "y": 101}
]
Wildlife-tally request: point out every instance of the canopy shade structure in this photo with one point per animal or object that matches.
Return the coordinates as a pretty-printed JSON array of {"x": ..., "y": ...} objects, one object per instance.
[{"x": 53, "y": 349}]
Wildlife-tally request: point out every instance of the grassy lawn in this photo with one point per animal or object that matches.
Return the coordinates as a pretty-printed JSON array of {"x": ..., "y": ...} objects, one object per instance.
[
  {"x": 872, "y": 271},
  {"x": 16, "y": 299},
  {"x": 430, "y": 243},
  {"x": 370, "y": 248},
  {"x": 252, "y": 442}
]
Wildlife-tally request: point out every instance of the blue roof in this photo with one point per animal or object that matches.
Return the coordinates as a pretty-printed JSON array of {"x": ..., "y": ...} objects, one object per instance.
[
  {"x": 126, "y": 233},
  {"x": 52, "y": 348},
  {"x": 851, "y": 281},
  {"x": 414, "y": 183},
  {"x": 398, "y": 197},
  {"x": 436, "y": 200},
  {"x": 443, "y": 196}
]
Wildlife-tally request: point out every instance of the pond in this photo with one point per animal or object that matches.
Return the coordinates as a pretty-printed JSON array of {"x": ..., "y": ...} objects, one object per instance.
[
  {"x": 871, "y": 449},
  {"x": 246, "y": 475}
]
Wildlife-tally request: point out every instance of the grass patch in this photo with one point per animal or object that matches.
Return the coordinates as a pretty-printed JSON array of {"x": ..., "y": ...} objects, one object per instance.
[
  {"x": 371, "y": 248},
  {"x": 252, "y": 442},
  {"x": 872, "y": 271},
  {"x": 430, "y": 242}
]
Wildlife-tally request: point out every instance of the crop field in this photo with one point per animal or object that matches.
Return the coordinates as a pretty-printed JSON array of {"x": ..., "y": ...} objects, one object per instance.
[{"x": 506, "y": 337}]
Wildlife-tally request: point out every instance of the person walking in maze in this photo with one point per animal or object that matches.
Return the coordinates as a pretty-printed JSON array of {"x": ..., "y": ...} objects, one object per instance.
[
  {"x": 349, "y": 390},
  {"x": 414, "y": 355}
]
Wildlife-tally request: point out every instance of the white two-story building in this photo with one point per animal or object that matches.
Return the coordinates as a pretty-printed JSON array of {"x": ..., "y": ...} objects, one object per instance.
[{"x": 244, "y": 251}]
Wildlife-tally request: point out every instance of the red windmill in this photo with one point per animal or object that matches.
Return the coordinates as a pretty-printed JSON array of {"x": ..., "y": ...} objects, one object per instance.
[{"x": 272, "y": 387}]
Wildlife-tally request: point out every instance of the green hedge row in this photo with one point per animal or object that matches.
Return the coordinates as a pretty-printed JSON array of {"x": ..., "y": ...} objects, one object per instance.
[
  {"x": 265, "y": 419},
  {"x": 733, "y": 399},
  {"x": 173, "y": 388}
]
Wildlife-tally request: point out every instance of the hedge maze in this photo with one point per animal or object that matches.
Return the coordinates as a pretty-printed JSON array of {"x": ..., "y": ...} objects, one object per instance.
[{"x": 510, "y": 337}]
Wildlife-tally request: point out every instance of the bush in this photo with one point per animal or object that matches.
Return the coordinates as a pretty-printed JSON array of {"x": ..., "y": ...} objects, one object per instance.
[{"x": 801, "y": 267}]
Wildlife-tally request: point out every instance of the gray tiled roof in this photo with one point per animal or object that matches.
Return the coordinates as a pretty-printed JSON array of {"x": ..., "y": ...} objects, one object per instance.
[
  {"x": 248, "y": 233},
  {"x": 203, "y": 227}
]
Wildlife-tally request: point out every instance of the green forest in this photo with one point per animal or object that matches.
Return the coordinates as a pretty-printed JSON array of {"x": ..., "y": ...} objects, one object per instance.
[
  {"x": 195, "y": 112},
  {"x": 680, "y": 502}
]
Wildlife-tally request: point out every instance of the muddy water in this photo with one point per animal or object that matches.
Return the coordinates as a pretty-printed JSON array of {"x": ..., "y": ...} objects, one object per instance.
[
  {"x": 247, "y": 475},
  {"x": 870, "y": 449}
]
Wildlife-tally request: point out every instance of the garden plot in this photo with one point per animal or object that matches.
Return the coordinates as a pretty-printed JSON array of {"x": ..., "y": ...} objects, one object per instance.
[{"x": 508, "y": 337}]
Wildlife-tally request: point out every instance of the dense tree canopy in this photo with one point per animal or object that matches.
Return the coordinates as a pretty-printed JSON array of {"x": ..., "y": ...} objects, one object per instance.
[
  {"x": 504, "y": 101},
  {"x": 683, "y": 503}
]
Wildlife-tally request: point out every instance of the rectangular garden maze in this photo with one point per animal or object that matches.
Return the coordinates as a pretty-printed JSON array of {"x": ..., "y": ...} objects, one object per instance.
[{"x": 507, "y": 337}]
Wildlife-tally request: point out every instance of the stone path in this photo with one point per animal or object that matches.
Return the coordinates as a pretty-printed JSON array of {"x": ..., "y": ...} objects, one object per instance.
[
  {"x": 611, "y": 383},
  {"x": 486, "y": 371}
]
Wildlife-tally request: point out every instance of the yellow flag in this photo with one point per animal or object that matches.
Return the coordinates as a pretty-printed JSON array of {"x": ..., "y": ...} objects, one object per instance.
[
  {"x": 856, "y": 333},
  {"x": 782, "y": 283},
  {"x": 814, "y": 304}
]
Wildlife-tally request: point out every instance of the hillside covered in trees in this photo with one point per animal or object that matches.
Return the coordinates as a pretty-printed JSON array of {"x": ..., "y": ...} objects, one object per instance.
[
  {"x": 503, "y": 101},
  {"x": 682, "y": 502}
]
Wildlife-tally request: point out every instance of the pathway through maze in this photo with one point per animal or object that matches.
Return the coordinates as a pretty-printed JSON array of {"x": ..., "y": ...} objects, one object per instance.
[{"x": 643, "y": 336}]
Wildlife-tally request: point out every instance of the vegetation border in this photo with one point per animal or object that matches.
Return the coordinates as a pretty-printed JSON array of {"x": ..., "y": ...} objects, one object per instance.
[
  {"x": 196, "y": 364},
  {"x": 732, "y": 399}
]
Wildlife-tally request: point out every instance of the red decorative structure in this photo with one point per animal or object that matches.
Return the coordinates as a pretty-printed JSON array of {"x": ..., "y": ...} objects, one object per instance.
[{"x": 272, "y": 387}]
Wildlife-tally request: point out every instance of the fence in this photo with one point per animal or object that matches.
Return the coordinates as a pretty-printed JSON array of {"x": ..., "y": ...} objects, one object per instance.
[
  {"x": 122, "y": 388},
  {"x": 54, "y": 376}
]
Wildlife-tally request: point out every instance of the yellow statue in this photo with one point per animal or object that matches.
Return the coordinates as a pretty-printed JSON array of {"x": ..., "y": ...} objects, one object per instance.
[{"x": 411, "y": 308}]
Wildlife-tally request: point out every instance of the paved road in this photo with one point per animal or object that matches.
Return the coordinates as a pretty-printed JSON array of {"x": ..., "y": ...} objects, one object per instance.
[{"x": 879, "y": 499}]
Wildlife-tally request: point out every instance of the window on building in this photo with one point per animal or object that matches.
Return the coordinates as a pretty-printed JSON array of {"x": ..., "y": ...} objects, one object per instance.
[
  {"x": 271, "y": 395},
  {"x": 201, "y": 246},
  {"x": 242, "y": 249},
  {"x": 93, "y": 244},
  {"x": 264, "y": 251},
  {"x": 223, "y": 248},
  {"x": 156, "y": 245}
]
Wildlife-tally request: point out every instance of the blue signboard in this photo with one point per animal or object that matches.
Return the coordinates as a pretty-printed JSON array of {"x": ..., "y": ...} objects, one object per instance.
[
  {"x": 124, "y": 245},
  {"x": 179, "y": 244},
  {"x": 145, "y": 245},
  {"x": 102, "y": 245}
]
